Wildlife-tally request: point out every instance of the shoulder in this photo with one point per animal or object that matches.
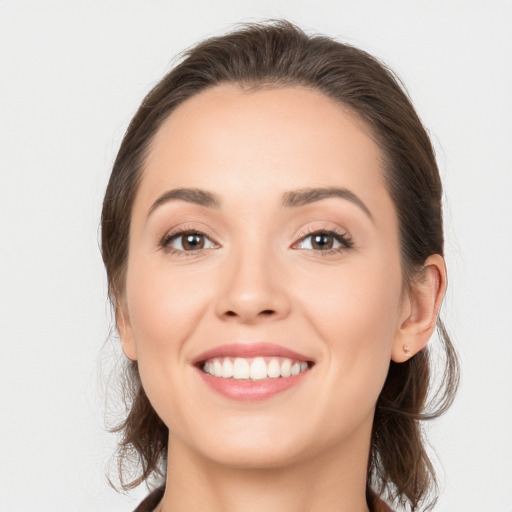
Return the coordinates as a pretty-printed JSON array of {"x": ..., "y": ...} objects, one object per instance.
[{"x": 151, "y": 501}]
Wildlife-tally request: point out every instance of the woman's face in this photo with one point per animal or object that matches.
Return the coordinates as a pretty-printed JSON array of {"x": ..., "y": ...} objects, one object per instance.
[{"x": 285, "y": 252}]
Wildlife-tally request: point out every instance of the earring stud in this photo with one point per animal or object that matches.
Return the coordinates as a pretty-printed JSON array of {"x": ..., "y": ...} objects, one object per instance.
[{"x": 406, "y": 350}]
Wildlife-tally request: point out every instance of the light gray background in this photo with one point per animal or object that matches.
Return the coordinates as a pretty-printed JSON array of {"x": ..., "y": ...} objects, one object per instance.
[{"x": 71, "y": 76}]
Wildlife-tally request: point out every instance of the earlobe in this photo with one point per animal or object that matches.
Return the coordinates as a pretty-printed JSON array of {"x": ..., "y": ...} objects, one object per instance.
[
  {"x": 424, "y": 301},
  {"x": 125, "y": 331}
]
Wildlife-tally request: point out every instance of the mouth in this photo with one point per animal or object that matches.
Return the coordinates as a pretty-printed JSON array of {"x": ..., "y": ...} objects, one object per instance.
[
  {"x": 243, "y": 371},
  {"x": 258, "y": 368}
]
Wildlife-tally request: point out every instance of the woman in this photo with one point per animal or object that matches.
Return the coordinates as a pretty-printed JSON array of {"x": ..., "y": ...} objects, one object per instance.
[{"x": 272, "y": 234}]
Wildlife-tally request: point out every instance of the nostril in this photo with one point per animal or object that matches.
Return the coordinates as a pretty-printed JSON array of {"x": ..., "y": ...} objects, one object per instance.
[{"x": 265, "y": 312}]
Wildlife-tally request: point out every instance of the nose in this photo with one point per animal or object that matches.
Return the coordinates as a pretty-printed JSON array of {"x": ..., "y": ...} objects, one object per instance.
[{"x": 252, "y": 289}]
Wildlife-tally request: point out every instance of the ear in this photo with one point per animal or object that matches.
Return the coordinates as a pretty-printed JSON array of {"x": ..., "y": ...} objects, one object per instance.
[
  {"x": 124, "y": 328},
  {"x": 420, "y": 310}
]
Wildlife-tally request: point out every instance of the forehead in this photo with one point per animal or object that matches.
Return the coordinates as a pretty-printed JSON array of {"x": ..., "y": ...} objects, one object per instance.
[{"x": 254, "y": 144}]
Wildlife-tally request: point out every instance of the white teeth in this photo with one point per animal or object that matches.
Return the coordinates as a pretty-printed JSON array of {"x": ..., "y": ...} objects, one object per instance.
[
  {"x": 286, "y": 368},
  {"x": 217, "y": 368},
  {"x": 240, "y": 369},
  {"x": 227, "y": 369},
  {"x": 258, "y": 369},
  {"x": 254, "y": 369},
  {"x": 274, "y": 368},
  {"x": 295, "y": 368},
  {"x": 208, "y": 367}
]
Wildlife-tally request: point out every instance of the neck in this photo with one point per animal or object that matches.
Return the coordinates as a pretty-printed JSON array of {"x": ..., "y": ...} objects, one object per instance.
[{"x": 334, "y": 481}]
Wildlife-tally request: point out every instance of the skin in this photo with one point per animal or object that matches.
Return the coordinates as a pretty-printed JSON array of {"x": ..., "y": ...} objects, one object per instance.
[{"x": 259, "y": 277}]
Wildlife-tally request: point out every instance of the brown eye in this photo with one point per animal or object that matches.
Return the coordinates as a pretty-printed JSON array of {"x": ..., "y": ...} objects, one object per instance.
[
  {"x": 323, "y": 241},
  {"x": 188, "y": 241},
  {"x": 191, "y": 242}
]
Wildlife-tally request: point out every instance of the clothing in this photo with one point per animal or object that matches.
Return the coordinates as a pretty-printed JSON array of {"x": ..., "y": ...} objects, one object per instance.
[{"x": 151, "y": 501}]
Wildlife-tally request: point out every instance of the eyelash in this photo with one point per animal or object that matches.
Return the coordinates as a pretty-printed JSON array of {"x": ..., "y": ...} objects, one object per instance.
[
  {"x": 167, "y": 239},
  {"x": 342, "y": 237}
]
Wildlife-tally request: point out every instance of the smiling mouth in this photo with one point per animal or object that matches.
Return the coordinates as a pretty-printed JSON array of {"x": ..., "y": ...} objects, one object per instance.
[
  {"x": 253, "y": 369},
  {"x": 252, "y": 372}
]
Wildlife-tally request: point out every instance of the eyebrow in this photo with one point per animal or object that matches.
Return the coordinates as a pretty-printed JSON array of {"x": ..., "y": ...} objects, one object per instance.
[
  {"x": 191, "y": 195},
  {"x": 304, "y": 196},
  {"x": 291, "y": 199}
]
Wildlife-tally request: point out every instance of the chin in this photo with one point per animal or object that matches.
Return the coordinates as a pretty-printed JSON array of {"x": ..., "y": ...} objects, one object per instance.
[
  {"x": 242, "y": 442},
  {"x": 253, "y": 456},
  {"x": 257, "y": 445}
]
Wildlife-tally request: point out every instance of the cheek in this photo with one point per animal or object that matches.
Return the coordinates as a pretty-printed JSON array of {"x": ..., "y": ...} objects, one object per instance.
[
  {"x": 165, "y": 309},
  {"x": 360, "y": 299},
  {"x": 356, "y": 321},
  {"x": 163, "y": 306},
  {"x": 356, "y": 312}
]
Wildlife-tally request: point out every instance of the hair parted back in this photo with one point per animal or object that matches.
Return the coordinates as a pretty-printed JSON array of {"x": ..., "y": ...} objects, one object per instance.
[{"x": 277, "y": 53}]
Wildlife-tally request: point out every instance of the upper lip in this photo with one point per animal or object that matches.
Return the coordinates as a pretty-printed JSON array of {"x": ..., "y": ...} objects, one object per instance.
[{"x": 242, "y": 349}]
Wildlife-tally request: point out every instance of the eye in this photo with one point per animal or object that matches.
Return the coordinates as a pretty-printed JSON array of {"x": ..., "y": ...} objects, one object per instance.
[
  {"x": 186, "y": 241},
  {"x": 326, "y": 241}
]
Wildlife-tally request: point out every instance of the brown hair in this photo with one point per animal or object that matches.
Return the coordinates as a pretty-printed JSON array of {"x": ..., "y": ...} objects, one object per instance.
[{"x": 277, "y": 53}]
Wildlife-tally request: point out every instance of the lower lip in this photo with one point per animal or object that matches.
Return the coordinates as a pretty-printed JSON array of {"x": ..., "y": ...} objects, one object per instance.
[{"x": 247, "y": 390}]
